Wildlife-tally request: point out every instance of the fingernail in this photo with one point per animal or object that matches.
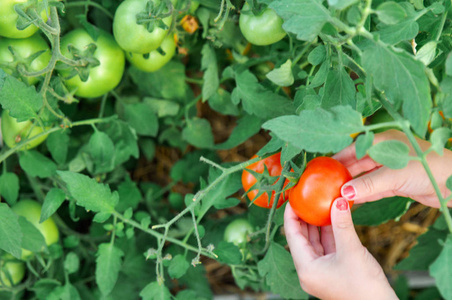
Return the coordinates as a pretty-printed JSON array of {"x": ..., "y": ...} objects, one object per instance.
[
  {"x": 348, "y": 191},
  {"x": 342, "y": 204}
]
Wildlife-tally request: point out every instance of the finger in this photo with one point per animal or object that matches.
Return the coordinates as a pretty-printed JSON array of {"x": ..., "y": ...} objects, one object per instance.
[
  {"x": 382, "y": 181},
  {"x": 302, "y": 251},
  {"x": 327, "y": 239},
  {"x": 345, "y": 236},
  {"x": 314, "y": 239}
]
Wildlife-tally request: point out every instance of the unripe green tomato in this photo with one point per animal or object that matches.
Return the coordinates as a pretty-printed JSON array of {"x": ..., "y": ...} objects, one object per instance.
[
  {"x": 8, "y": 20},
  {"x": 31, "y": 210},
  {"x": 14, "y": 132},
  {"x": 153, "y": 61},
  {"x": 237, "y": 231},
  {"x": 263, "y": 29},
  {"x": 15, "y": 269},
  {"x": 25, "y": 48}
]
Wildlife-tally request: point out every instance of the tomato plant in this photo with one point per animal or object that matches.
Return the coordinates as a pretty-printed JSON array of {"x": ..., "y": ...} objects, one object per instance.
[
  {"x": 9, "y": 19},
  {"x": 154, "y": 60},
  {"x": 32, "y": 53},
  {"x": 237, "y": 231},
  {"x": 133, "y": 29},
  {"x": 31, "y": 210},
  {"x": 262, "y": 29},
  {"x": 273, "y": 165},
  {"x": 12, "y": 271},
  {"x": 319, "y": 185},
  {"x": 104, "y": 64},
  {"x": 14, "y": 132}
]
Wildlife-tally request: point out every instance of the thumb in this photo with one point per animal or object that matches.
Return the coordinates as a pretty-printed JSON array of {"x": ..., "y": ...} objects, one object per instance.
[
  {"x": 370, "y": 185},
  {"x": 345, "y": 236}
]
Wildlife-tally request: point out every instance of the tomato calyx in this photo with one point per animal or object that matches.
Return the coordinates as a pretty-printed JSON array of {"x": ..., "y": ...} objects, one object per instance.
[
  {"x": 84, "y": 60},
  {"x": 19, "y": 66},
  {"x": 29, "y": 13},
  {"x": 153, "y": 17}
]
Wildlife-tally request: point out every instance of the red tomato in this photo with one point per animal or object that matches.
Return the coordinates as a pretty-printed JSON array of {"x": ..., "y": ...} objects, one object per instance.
[
  {"x": 319, "y": 185},
  {"x": 273, "y": 164}
]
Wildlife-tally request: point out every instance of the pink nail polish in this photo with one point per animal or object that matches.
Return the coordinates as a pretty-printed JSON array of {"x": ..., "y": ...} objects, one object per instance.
[
  {"x": 342, "y": 204},
  {"x": 348, "y": 191}
]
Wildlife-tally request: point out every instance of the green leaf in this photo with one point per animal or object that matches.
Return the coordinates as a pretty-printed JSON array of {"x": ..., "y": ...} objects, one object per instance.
[
  {"x": 228, "y": 186},
  {"x": 339, "y": 89},
  {"x": 142, "y": 118},
  {"x": 53, "y": 200},
  {"x": 43, "y": 287},
  {"x": 282, "y": 76},
  {"x": 228, "y": 253},
  {"x": 318, "y": 130},
  {"x": 32, "y": 239},
  {"x": 22, "y": 101},
  {"x": 449, "y": 183},
  {"x": 247, "y": 126},
  {"x": 178, "y": 267},
  {"x": 108, "y": 265},
  {"x": 58, "y": 144},
  {"x": 71, "y": 263},
  {"x": 403, "y": 80},
  {"x": 379, "y": 212},
  {"x": 36, "y": 164},
  {"x": 257, "y": 100},
  {"x": 9, "y": 187},
  {"x": 439, "y": 138},
  {"x": 363, "y": 143},
  {"x": 441, "y": 269},
  {"x": 88, "y": 193},
  {"x": 125, "y": 140},
  {"x": 449, "y": 65},
  {"x": 198, "y": 133},
  {"x": 163, "y": 108},
  {"x": 10, "y": 233},
  {"x": 221, "y": 102},
  {"x": 129, "y": 195},
  {"x": 393, "y": 154},
  {"x": 280, "y": 275},
  {"x": 317, "y": 55},
  {"x": 209, "y": 65},
  {"x": 402, "y": 31},
  {"x": 427, "y": 53},
  {"x": 155, "y": 291},
  {"x": 191, "y": 162},
  {"x": 341, "y": 4},
  {"x": 424, "y": 252},
  {"x": 305, "y": 18},
  {"x": 102, "y": 151},
  {"x": 390, "y": 12}
]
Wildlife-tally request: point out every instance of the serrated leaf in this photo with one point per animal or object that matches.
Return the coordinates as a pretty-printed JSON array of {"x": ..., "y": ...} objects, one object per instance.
[
  {"x": 363, "y": 143},
  {"x": 210, "y": 66},
  {"x": 163, "y": 108},
  {"x": 305, "y": 18},
  {"x": 427, "y": 53},
  {"x": 317, "y": 55},
  {"x": 318, "y": 130},
  {"x": 228, "y": 186},
  {"x": 58, "y": 144},
  {"x": 393, "y": 154},
  {"x": 9, "y": 187},
  {"x": 402, "y": 31},
  {"x": 339, "y": 89},
  {"x": 403, "y": 80},
  {"x": 341, "y": 4},
  {"x": 228, "y": 253},
  {"x": 198, "y": 133},
  {"x": 155, "y": 291},
  {"x": 53, "y": 200},
  {"x": 88, "y": 193},
  {"x": 441, "y": 269},
  {"x": 20, "y": 100},
  {"x": 280, "y": 275},
  {"x": 10, "y": 232},
  {"x": 390, "y": 12},
  {"x": 33, "y": 239},
  {"x": 449, "y": 65},
  {"x": 282, "y": 76},
  {"x": 379, "y": 212},
  {"x": 178, "y": 266},
  {"x": 108, "y": 265},
  {"x": 71, "y": 263},
  {"x": 247, "y": 126},
  {"x": 102, "y": 151},
  {"x": 129, "y": 195},
  {"x": 439, "y": 138},
  {"x": 36, "y": 164},
  {"x": 142, "y": 118},
  {"x": 125, "y": 140}
]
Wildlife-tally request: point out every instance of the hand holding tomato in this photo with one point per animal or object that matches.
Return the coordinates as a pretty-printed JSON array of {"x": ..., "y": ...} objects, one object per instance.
[
  {"x": 332, "y": 263},
  {"x": 380, "y": 182}
]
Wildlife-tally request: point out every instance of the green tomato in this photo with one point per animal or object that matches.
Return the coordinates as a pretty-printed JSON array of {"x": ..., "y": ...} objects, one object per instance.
[
  {"x": 106, "y": 75},
  {"x": 10, "y": 268},
  {"x": 31, "y": 210},
  {"x": 14, "y": 132},
  {"x": 154, "y": 60},
  {"x": 237, "y": 231},
  {"x": 263, "y": 29},
  {"x": 133, "y": 37},
  {"x": 23, "y": 49},
  {"x": 8, "y": 20}
]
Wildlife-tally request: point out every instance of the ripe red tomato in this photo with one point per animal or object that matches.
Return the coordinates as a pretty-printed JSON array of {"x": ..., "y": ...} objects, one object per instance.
[
  {"x": 319, "y": 185},
  {"x": 273, "y": 164}
]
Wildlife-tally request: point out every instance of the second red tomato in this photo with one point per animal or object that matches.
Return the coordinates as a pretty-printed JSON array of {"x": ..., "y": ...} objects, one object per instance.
[{"x": 319, "y": 185}]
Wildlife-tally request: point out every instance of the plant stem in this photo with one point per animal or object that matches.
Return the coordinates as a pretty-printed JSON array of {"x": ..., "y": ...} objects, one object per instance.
[{"x": 94, "y": 4}]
